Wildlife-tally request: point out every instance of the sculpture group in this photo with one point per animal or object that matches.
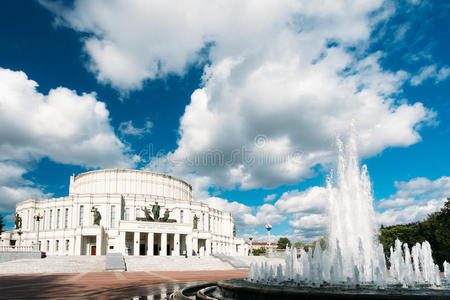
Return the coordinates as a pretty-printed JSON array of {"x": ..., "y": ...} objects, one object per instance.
[{"x": 155, "y": 217}]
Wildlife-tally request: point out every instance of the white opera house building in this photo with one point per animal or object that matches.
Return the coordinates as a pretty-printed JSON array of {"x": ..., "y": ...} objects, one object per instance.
[{"x": 124, "y": 202}]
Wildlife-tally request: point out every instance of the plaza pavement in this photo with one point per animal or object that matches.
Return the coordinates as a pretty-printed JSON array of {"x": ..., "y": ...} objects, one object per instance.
[
  {"x": 83, "y": 277},
  {"x": 107, "y": 285}
]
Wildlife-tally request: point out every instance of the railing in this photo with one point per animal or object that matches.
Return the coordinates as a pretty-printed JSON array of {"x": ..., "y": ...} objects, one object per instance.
[{"x": 16, "y": 248}]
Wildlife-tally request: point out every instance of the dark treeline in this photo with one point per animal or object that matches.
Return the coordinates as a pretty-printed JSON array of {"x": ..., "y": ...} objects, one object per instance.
[{"x": 435, "y": 229}]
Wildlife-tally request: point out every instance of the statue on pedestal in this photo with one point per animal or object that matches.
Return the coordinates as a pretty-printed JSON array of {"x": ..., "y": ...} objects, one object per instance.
[
  {"x": 97, "y": 216},
  {"x": 166, "y": 216},
  {"x": 155, "y": 211},
  {"x": 195, "y": 222},
  {"x": 18, "y": 221},
  {"x": 147, "y": 217}
]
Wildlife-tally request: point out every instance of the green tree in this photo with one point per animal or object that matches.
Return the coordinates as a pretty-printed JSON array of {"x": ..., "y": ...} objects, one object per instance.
[
  {"x": 283, "y": 242},
  {"x": 1, "y": 223},
  {"x": 435, "y": 229},
  {"x": 259, "y": 251}
]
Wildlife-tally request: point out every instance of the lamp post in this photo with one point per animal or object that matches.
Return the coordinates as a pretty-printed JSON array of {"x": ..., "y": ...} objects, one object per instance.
[
  {"x": 251, "y": 244},
  {"x": 38, "y": 219},
  {"x": 268, "y": 227},
  {"x": 20, "y": 236}
]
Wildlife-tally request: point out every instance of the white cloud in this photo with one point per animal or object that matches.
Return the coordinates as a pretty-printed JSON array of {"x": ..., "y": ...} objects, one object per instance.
[
  {"x": 271, "y": 72},
  {"x": 312, "y": 200},
  {"x": 65, "y": 127},
  {"x": 413, "y": 201},
  {"x": 270, "y": 198},
  {"x": 127, "y": 128},
  {"x": 62, "y": 125},
  {"x": 14, "y": 188},
  {"x": 430, "y": 72}
]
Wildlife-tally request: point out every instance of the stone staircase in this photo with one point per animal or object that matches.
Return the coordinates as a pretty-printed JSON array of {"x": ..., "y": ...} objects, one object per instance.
[{"x": 175, "y": 263}]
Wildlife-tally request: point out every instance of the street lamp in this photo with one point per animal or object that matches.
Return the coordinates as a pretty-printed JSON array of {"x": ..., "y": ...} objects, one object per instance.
[
  {"x": 251, "y": 244},
  {"x": 268, "y": 227},
  {"x": 20, "y": 236},
  {"x": 38, "y": 219}
]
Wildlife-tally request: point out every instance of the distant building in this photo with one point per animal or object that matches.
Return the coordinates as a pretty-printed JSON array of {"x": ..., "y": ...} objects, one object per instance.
[{"x": 125, "y": 201}]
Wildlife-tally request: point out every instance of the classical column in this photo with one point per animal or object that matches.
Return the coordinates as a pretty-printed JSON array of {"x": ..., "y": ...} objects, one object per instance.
[
  {"x": 189, "y": 244},
  {"x": 208, "y": 247},
  {"x": 78, "y": 242},
  {"x": 136, "y": 242},
  {"x": 98, "y": 244},
  {"x": 121, "y": 245},
  {"x": 176, "y": 248},
  {"x": 163, "y": 244},
  {"x": 150, "y": 242},
  {"x": 195, "y": 245}
]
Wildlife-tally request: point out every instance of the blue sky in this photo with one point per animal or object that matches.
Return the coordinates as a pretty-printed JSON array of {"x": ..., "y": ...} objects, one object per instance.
[{"x": 165, "y": 86}]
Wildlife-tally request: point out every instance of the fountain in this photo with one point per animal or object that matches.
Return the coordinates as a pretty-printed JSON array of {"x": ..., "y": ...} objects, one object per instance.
[{"x": 353, "y": 265}]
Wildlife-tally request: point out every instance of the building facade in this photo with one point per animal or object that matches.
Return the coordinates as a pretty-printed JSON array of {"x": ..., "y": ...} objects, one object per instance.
[{"x": 124, "y": 200}]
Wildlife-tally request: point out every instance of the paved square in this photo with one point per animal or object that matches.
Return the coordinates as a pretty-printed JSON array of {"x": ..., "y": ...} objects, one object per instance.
[{"x": 106, "y": 285}]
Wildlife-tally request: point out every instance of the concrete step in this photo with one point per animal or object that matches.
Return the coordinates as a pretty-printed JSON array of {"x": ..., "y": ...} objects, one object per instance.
[
  {"x": 175, "y": 263},
  {"x": 235, "y": 262}
]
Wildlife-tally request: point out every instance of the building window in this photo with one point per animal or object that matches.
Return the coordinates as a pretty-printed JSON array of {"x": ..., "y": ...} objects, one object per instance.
[
  {"x": 50, "y": 219},
  {"x": 57, "y": 245},
  {"x": 181, "y": 216},
  {"x": 67, "y": 245},
  {"x": 113, "y": 216},
  {"x": 66, "y": 218},
  {"x": 209, "y": 223},
  {"x": 203, "y": 221},
  {"x": 48, "y": 245},
  {"x": 127, "y": 214},
  {"x": 81, "y": 215},
  {"x": 137, "y": 213},
  {"x": 58, "y": 218}
]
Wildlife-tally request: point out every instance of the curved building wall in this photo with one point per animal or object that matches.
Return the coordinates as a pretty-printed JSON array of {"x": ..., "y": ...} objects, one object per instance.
[
  {"x": 121, "y": 181},
  {"x": 68, "y": 228}
]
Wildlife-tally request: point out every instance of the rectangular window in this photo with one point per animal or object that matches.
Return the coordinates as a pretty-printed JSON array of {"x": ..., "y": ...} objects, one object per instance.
[
  {"x": 50, "y": 219},
  {"x": 58, "y": 218},
  {"x": 203, "y": 221},
  {"x": 81, "y": 215},
  {"x": 137, "y": 213},
  {"x": 67, "y": 245},
  {"x": 209, "y": 223},
  {"x": 181, "y": 216},
  {"x": 57, "y": 245},
  {"x": 127, "y": 214},
  {"x": 66, "y": 218},
  {"x": 48, "y": 245},
  {"x": 113, "y": 216}
]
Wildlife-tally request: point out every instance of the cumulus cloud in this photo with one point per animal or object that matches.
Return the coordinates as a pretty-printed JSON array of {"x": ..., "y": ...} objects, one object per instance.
[
  {"x": 14, "y": 188},
  {"x": 279, "y": 85},
  {"x": 430, "y": 72},
  {"x": 270, "y": 198},
  {"x": 127, "y": 128},
  {"x": 413, "y": 201},
  {"x": 62, "y": 125}
]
